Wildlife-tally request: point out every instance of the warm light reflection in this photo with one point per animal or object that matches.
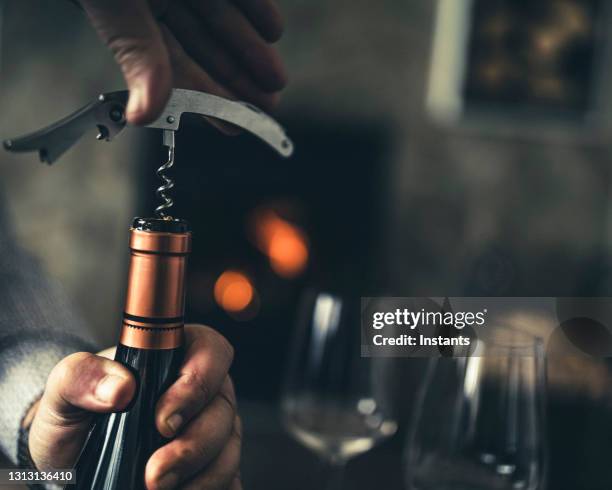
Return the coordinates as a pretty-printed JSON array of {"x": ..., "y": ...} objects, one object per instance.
[
  {"x": 233, "y": 291},
  {"x": 284, "y": 243}
]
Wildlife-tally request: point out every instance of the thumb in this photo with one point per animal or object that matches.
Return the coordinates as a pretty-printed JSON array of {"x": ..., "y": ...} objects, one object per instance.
[
  {"x": 78, "y": 385},
  {"x": 131, "y": 32}
]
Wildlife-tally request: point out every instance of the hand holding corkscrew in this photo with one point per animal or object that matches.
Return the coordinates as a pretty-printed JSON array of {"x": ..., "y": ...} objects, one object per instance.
[
  {"x": 107, "y": 114},
  {"x": 156, "y": 390}
]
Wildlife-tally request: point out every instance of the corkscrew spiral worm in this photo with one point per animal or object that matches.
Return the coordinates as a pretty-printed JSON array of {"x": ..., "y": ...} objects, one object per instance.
[{"x": 167, "y": 185}]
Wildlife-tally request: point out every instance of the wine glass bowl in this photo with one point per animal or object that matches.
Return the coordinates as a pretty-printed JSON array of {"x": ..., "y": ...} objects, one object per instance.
[
  {"x": 332, "y": 403},
  {"x": 480, "y": 423}
]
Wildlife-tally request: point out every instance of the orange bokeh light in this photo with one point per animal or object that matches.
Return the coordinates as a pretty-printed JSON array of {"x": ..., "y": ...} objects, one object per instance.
[
  {"x": 284, "y": 243},
  {"x": 233, "y": 291}
]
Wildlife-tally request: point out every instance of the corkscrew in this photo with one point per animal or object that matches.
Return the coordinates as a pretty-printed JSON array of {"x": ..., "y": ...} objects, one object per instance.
[
  {"x": 107, "y": 115},
  {"x": 168, "y": 183}
]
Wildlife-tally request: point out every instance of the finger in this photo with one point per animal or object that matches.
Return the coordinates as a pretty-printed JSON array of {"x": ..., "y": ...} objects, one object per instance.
[
  {"x": 205, "y": 50},
  {"x": 236, "y": 484},
  {"x": 232, "y": 29},
  {"x": 265, "y": 17},
  {"x": 200, "y": 443},
  {"x": 187, "y": 74},
  {"x": 78, "y": 385},
  {"x": 222, "y": 473},
  {"x": 108, "y": 353},
  {"x": 131, "y": 32},
  {"x": 207, "y": 362}
]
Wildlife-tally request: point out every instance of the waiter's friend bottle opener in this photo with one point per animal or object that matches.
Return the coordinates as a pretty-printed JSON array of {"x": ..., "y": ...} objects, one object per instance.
[{"x": 152, "y": 336}]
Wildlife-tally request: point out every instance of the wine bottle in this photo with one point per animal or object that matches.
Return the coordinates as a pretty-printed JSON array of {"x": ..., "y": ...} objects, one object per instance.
[{"x": 151, "y": 346}]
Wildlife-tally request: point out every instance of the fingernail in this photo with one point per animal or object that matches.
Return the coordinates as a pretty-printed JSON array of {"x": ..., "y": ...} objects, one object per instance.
[
  {"x": 107, "y": 387},
  {"x": 168, "y": 481},
  {"x": 174, "y": 422}
]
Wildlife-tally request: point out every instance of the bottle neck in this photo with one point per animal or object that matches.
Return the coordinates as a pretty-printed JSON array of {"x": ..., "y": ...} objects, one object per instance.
[{"x": 155, "y": 300}]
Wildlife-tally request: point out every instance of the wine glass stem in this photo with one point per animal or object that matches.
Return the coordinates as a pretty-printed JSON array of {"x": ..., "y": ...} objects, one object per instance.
[{"x": 333, "y": 474}]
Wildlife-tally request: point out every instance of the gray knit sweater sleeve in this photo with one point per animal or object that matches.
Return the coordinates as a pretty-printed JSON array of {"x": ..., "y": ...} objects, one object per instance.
[{"x": 37, "y": 329}]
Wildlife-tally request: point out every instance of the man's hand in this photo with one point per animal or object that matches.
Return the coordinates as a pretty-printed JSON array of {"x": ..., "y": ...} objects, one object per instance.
[
  {"x": 198, "y": 410},
  {"x": 217, "y": 46}
]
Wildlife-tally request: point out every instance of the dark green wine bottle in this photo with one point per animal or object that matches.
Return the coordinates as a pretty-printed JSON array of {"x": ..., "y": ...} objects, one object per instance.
[{"x": 151, "y": 346}]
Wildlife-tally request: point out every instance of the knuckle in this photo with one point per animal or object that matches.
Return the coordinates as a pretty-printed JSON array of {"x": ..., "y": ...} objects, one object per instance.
[
  {"x": 74, "y": 420},
  {"x": 192, "y": 452},
  {"x": 136, "y": 54},
  {"x": 74, "y": 363},
  {"x": 194, "y": 379},
  {"x": 212, "y": 336},
  {"x": 121, "y": 45}
]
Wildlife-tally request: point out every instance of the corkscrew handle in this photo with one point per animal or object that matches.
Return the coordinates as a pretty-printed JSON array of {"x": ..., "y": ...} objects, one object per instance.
[{"x": 107, "y": 115}]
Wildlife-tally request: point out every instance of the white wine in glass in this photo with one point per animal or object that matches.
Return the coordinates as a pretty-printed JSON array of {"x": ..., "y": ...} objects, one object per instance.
[{"x": 334, "y": 402}]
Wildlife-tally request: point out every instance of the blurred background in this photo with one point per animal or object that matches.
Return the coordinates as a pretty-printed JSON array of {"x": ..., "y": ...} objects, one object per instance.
[{"x": 442, "y": 148}]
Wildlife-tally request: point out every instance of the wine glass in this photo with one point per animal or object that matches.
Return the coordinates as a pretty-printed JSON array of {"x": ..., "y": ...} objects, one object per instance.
[
  {"x": 334, "y": 402},
  {"x": 480, "y": 422}
]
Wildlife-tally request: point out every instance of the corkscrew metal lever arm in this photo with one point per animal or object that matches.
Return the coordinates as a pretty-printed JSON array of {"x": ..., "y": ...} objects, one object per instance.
[{"x": 107, "y": 114}]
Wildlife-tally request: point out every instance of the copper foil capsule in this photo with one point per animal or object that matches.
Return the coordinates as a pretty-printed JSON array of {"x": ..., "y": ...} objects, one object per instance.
[{"x": 155, "y": 300}]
